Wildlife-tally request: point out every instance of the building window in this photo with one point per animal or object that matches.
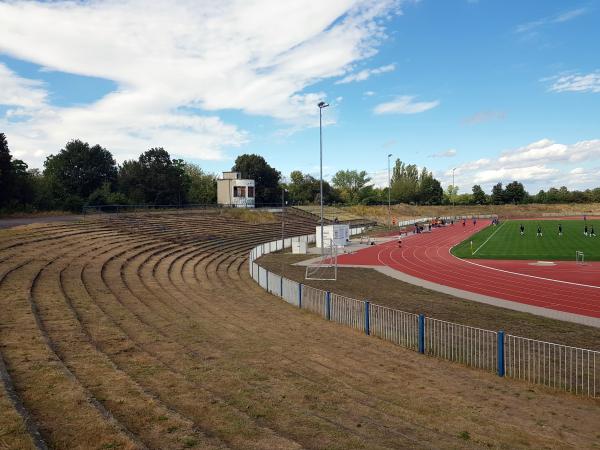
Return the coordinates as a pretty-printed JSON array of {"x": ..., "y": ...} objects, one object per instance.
[
  {"x": 239, "y": 191},
  {"x": 250, "y": 191}
]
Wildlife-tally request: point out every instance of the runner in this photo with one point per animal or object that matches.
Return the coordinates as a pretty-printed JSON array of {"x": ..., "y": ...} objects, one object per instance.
[
  {"x": 585, "y": 231},
  {"x": 522, "y": 228},
  {"x": 560, "y": 229},
  {"x": 592, "y": 232},
  {"x": 539, "y": 232}
]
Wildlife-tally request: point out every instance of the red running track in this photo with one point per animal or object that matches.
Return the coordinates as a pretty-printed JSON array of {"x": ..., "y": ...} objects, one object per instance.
[{"x": 564, "y": 287}]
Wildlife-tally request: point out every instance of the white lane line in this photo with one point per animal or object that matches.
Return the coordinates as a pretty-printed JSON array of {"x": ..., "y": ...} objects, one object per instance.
[
  {"x": 491, "y": 235},
  {"x": 524, "y": 274}
]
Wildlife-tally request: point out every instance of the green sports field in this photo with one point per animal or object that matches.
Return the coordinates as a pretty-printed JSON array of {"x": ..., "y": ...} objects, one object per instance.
[{"x": 505, "y": 242}]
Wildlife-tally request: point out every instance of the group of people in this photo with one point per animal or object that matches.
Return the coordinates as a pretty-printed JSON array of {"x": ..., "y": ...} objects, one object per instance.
[{"x": 589, "y": 232}]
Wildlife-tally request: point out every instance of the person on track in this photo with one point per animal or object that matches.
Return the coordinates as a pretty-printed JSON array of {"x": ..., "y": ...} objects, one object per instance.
[
  {"x": 522, "y": 228},
  {"x": 539, "y": 232},
  {"x": 474, "y": 221},
  {"x": 464, "y": 222},
  {"x": 560, "y": 229}
]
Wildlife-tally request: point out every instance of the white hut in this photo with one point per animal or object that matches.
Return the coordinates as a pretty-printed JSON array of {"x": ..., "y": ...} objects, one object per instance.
[{"x": 232, "y": 190}]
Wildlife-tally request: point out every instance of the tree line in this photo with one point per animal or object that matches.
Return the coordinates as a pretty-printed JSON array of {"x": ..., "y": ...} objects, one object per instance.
[{"x": 81, "y": 174}]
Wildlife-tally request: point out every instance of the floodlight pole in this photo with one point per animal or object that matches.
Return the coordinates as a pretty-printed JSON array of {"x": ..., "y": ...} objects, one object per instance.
[
  {"x": 453, "y": 187},
  {"x": 321, "y": 105},
  {"x": 282, "y": 227},
  {"x": 389, "y": 194}
]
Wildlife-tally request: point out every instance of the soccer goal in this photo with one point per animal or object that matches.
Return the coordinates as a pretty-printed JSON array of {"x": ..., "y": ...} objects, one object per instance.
[
  {"x": 326, "y": 267},
  {"x": 579, "y": 257}
]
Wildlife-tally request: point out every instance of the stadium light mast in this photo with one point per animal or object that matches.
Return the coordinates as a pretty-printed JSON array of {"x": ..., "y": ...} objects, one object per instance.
[
  {"x": 453, "y": 187},
  {"x": 283, "y": 192},
  {"x": 321, "y": 105},
  {"x": 389, "y": 194}
]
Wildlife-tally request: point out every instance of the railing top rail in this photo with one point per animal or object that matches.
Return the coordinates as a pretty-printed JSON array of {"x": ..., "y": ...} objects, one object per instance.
[
  {"x": 554, "y": 343},
  {"x": 393, "y": 309},
  {"x": 459, "y": 324}
]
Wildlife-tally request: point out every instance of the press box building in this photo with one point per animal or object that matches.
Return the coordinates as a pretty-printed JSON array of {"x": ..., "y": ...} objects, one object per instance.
[{"x": 232, "y": 190}]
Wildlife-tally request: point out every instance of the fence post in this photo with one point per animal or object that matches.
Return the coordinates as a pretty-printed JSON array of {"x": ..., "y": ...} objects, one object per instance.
[
  {"x": 367, "y": 319},
  {"x": 281, "y": 286},
  {"x": 300, "y": 295},
  {"x": 421, "y": 333},
  {"x": 500, "y": 353},
  {"x": 328, "y": 305},
  {"x": 267, "y": 281}
]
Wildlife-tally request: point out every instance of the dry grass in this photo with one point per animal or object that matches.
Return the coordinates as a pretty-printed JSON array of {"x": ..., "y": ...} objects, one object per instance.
[
  {"x": 249, "y": 215},
  {"x": 404, "y": 211},
  {"x": 146, "y": 336}
]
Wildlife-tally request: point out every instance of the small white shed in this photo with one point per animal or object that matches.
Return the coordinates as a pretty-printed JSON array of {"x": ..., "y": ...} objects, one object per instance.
[{"x": 339, "y": 233}]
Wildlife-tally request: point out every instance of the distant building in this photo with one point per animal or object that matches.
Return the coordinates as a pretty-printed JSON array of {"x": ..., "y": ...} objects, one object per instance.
[{"x": 233, "y": 191}]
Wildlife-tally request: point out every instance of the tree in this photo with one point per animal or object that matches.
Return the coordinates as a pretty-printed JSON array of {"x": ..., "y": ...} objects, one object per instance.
[
  {"x": 202, "y": 186},
  {"x": 514, "y": 192},
  {"x": 78, "y": 170},
  {"x": 479, "y": 196},
  {"x": 497, "y": 197},
  {"x": 351, "y": 184},
  {"x": 154, "y": 178},
  {"x": 265, "y": 177},
  {"x": 430, "y": 190},
  {"x": 6, "y": 175},
  {"x": 405, "y": 182}
]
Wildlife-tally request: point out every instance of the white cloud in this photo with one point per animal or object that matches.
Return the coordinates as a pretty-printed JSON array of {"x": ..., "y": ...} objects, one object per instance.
[
  {"x": 369, "y": 93},
  {"x": 365, "y": 74},
  {"x": 256, "y": 57},
  {"x": 445, "y": 154},
  {"x": 20, "y": 92},
  {"x": 538, "y": 165},
  {"x": 549, "y": 20},
  {"x": 546, "y": 150},
  {"x": 576, "y": 83},
  {"x": 404, "y": 105}
]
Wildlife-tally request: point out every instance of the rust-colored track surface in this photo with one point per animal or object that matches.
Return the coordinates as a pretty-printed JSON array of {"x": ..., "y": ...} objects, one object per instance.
[
  {"x": 564, "y": 287},
  {"x": 147, "y": 332}
]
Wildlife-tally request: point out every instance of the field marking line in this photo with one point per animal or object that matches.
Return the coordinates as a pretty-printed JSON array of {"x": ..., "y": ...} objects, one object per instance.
[
  {"x": 491, "y": 235},
  {"x": 525, "y": 274}
]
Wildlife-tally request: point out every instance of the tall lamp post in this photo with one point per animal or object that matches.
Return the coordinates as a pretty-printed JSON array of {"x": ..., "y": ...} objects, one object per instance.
[
  {"x": 453, "y": 187},
  {"x": 321, "y": 105},
  {"x": 389, "y": 194},
  {"x": 283, "y": 191}
]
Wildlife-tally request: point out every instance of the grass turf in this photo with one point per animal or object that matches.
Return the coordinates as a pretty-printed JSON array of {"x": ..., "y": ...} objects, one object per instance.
[{"x": 505, "y": 241}]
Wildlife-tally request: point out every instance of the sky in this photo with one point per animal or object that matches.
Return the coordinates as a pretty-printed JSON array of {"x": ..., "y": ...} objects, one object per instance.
[{"x": 498, "y": 90}]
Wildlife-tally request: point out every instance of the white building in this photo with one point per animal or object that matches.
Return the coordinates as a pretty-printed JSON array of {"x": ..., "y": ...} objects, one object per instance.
[
  {"x": 233, "y": 191},
  {"x": 336, "y": 234}
]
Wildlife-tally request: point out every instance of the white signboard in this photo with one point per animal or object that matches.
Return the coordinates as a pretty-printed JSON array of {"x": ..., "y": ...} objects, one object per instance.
[{"x": 340, "y": 233}]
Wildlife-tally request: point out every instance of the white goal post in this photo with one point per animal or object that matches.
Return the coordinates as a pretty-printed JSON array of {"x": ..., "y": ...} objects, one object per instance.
[{"x": 325, "y": 268}]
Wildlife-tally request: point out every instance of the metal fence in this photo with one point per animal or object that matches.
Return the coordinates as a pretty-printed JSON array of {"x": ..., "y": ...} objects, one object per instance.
[
  {"x": 471, "y": 346},
  {"x": 393, "y": 325},
  {"x": 558, "y": 366}
]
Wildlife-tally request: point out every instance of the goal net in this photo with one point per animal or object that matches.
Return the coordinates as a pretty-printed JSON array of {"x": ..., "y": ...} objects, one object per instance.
[
  {"x": 579, "y": 257},
  {"x": 326, "y": 267}
]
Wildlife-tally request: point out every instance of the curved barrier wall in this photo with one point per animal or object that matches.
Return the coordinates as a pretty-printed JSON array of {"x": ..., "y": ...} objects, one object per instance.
[{"x": 559, "y": 366}]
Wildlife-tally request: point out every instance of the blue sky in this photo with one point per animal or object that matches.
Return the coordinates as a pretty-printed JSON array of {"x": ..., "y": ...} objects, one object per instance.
[{"x": 499, "y": 90}]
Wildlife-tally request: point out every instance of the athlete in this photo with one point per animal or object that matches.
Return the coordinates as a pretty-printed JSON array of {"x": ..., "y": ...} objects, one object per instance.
[
  {"x": 592, "y": 232},
  {"x": 539, "y": 232},
  {"x": 560, "y": 229},
  {"x": 522, "y": 228},
  {"x": 585, "y": 231}
]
